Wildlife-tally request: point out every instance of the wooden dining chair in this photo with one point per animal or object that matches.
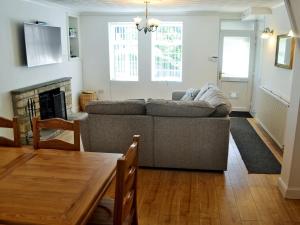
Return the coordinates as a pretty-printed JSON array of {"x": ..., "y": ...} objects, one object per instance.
[
  {"x": 123, "y": 209},
  {"x": 6, "y": 123},
  {"x": 58, "y": 124}
]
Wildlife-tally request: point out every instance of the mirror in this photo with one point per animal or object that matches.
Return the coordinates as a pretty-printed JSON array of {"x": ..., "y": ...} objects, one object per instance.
[{"x": 285, "y": 51}]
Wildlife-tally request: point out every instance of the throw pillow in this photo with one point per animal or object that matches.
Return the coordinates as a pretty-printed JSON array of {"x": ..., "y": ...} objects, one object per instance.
[
  {"x": 217, "y": 99},
  {"x": 204, "y": 89},
  {"x": 190, "y": 94}
]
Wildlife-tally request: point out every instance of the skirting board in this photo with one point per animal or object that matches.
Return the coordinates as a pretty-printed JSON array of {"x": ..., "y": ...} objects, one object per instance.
[
  {"x": 269, "y": 133},
  {"x": 240, "y": 109},
  {"x": 289, "y": 193}
]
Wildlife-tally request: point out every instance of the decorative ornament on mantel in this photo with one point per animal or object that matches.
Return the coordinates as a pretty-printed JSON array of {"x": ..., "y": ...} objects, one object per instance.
[{"x": 148, "y": 25}]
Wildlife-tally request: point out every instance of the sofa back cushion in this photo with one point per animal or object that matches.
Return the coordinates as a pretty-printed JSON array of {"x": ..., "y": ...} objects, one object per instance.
[
  {"x": 217, "y": 99},
  {"x": 127, "y": 107},
  {"x": 179, "y": 108}
]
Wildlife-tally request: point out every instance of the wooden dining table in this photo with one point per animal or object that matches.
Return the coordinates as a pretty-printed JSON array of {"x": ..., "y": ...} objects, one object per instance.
[{"x": 52, "y": 186}]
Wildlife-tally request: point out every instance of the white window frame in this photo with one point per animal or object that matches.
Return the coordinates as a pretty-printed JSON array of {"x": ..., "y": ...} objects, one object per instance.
[
  {"x": 112, "y": 43},
  {"x": 178, "y": 42}
]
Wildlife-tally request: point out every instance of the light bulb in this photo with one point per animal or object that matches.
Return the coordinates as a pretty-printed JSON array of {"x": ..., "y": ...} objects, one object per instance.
[
  {"x": 137, "y": 20},
  {"x": 267, "y": 33},
  {"x": 151, "y": 22},
  {"x": 156, "y": 22},
  {"x": 291, "y": 34}
]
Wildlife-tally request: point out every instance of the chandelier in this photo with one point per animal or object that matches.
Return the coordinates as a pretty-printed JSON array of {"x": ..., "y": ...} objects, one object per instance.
[{"x": 148, "y": 25}]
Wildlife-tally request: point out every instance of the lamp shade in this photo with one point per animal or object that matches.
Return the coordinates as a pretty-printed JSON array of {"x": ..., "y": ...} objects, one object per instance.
[
  {"x": 291, "y": 34},
  {"x": 137, "y": 20},
  {"x": 267, "y": 33}
]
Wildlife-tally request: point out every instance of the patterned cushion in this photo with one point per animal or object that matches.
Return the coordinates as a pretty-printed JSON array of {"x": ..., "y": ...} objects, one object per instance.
[
  {"x": 104, "y": 213},
  {"x": 203, "y": 90},
  {"x": 218, "y": 100},
  {"x": 190, "y": 94}
]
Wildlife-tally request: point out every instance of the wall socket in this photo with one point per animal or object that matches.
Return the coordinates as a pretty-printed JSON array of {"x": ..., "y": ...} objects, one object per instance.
[
  {"x": 233, "y": 94},
  {"x": 100, "y": 92}
]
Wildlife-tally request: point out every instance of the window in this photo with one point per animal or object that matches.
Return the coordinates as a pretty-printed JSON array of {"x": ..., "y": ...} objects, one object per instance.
[
  {"x": 236, "y": 38},
  {"x": 167, "y": 52},
  {"x": 236, "y": 57},
  {"x": 123, "y": 51}
]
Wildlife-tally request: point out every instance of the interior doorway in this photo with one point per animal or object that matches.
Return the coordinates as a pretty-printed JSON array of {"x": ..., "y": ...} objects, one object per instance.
[{"x": 236, "y": 64}]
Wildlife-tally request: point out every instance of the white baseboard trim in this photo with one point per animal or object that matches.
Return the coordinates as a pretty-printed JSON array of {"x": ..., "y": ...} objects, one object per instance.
[
  {"x": 290, "y": 193},
  {"x": 281, "y": 146},
  {"x": 240, "y": 109}
]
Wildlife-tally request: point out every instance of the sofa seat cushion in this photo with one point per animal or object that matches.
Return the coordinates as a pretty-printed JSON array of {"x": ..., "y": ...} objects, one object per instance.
[
  {"x": 127, "y": 107},
  {"x": 170, "y": 108},
  {"x": 217, "y": 99}
]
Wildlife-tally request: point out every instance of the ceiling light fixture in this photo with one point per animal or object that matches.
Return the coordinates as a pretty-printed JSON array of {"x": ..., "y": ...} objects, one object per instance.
[
  {"x": 291, "y": 34},
  {"x": 267, "y": 33},
  {"x": 148, "y": 25}
]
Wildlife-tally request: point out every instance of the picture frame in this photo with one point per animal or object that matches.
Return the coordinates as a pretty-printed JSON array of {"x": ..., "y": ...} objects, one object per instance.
[{"x": 285, "y": 51}]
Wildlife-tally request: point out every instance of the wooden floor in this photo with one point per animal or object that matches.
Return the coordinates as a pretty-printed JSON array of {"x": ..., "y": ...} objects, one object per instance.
[{"x": 202, "y": 198}]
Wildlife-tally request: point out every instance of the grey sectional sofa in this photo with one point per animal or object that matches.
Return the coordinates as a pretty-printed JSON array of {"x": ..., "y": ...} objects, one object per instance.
[{"x": 184, "y": 134}]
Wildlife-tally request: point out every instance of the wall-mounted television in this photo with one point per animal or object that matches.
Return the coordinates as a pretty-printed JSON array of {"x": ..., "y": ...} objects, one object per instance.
[{"x": 42, "y": 44}]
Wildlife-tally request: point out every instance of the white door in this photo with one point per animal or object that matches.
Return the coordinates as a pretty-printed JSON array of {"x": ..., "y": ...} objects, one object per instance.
[{"x": 237, "y": 49}]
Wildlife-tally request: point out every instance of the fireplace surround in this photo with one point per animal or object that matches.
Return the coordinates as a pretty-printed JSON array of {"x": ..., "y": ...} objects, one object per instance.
[{"x": 45, "y": 100}]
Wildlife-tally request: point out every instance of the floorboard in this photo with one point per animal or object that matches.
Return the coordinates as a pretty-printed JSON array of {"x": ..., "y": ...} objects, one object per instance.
[{"x": 172, "y": 197}]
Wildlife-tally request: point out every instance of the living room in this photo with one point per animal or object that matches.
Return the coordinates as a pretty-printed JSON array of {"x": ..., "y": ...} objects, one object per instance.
[{"x": 230, "y": 45}]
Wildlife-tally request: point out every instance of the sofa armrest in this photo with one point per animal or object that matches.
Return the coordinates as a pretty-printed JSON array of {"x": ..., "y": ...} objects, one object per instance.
[
  {"x": 84, "y": 131},
  {"x": 177, "y": 95}
]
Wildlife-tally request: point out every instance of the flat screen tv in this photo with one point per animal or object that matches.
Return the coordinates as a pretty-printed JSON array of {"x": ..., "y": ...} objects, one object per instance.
[{"x": 43, "y": 44}]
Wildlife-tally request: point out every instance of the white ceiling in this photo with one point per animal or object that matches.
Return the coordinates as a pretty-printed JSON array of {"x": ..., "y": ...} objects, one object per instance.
[{"x": 165, "y": 5}]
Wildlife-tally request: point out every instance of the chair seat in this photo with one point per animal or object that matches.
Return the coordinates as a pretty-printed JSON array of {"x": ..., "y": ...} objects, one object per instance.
[
  {"x": 103, "y": 214},
  {"x": 125, "y": 203}
]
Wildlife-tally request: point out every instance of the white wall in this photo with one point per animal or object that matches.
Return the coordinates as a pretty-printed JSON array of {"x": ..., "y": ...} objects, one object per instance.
[
  {"x": 270, "y": 112},
  {"x": 289, "y": 181},
  {"x": 200, "y": 41},
  {"x": 13, "y": 73},
  {"x": 277, "y": 79}
]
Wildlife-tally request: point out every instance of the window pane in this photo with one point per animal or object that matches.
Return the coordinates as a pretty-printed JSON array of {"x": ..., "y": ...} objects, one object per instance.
[
  {"x": 123, "y": 51},
  {"x": 236, "y": 57},
  {"x": 167, "y": 52}
]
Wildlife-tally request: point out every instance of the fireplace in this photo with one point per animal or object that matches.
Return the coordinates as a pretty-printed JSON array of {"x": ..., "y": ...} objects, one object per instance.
[
  {"x": 52, "y": 99},
  {"x": 53, "y": 104}
]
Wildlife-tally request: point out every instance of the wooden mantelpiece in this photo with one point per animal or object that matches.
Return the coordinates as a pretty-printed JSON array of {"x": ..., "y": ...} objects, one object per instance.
[{"x": 40, "y": 85}]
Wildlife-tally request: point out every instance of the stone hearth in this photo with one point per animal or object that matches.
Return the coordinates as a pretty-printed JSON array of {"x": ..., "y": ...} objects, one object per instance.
[{"x": 26, "y": 103}]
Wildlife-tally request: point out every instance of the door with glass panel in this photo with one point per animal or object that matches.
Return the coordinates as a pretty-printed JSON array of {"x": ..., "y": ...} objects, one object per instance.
[{"x": 236, "y": 66}]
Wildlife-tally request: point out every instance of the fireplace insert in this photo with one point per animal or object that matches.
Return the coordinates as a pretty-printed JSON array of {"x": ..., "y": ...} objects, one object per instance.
[{"x": 53, "y": 104}]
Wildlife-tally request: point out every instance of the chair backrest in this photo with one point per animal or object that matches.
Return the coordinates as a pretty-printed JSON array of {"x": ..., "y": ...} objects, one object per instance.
[
  {"x": 6, "y": 123},
  {"x": 125, "y": 208},
  {"x": 58, "y": 124}
]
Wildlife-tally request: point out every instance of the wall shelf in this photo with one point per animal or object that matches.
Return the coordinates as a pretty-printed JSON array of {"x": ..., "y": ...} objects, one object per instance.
[{"x": 73, "y": 30}]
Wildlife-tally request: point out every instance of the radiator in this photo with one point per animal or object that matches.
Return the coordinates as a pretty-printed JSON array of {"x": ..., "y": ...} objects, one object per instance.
[{"x": 271, "y": 114}]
